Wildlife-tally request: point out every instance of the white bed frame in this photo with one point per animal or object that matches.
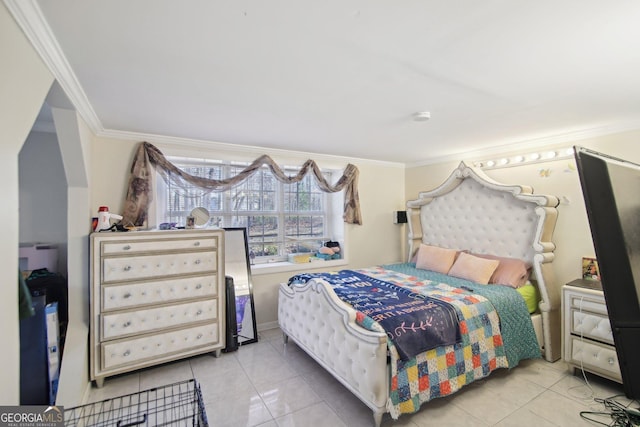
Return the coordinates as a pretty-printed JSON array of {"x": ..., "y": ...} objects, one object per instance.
[{"x": 469, "y": 211}]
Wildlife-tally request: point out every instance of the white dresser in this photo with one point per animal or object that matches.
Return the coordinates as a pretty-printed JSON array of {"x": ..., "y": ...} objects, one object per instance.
[
  {"x": 156, "y": 296},
  {"x": 587, "y": 337}
]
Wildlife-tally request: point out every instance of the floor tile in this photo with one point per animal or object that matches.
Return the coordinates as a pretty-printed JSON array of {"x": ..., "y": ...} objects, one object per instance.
[
  {"x": 270, "y": 334},
  {"x": 482, "y": 403},
  {"x": 510, "y": 386},
  {"x": 317, "y": 415},
  {"x": 442, "y": 413},
  {"x": 235, "y": 411},
  {"x": 558, "y": 409},
  {"x": 285, "y": 397},
  {"x": 270, "y": 384},
  {"x": 541, "y": 372},
  {"x": 207, "y": 366},
  {"x": 165, "y": 374},
  {"x": 115, "y": 386},
  {"x": 584, "y": 387},
  {"x": 523, "y": 417}
]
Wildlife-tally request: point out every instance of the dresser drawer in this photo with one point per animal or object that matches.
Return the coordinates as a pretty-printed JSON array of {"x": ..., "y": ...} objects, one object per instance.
[
  {"x": 142, "y": 267},
  {"x": 121, "y": 296},
  {"x": 595, "y": 356},
  {"x": 121, "y": 353},
  {"x": 157, "y": 245},
  {"x": 590, "y": 325},
  {"x": 119, "y": 324}
]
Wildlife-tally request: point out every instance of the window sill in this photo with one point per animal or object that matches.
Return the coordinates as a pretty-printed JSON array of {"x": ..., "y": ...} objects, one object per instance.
[{"x": 284, "y": 267}]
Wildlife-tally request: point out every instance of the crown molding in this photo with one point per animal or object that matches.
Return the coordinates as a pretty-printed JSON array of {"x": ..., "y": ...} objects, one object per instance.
[
  {"x": 29, "y": 17},
  {"x": 238, "y": 148}
]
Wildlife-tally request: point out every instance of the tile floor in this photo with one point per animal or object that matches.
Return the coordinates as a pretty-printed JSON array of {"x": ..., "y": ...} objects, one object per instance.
[{"x": 269, "y": 384}]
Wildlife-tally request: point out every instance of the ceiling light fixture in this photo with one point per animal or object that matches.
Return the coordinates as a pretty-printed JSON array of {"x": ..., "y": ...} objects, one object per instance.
[
  {"x": 421, "y": 116},
  {"x": 525, "y": 158}
]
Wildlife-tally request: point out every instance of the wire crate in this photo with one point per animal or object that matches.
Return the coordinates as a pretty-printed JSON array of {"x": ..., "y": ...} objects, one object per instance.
[{"x": 178, "y": 404}]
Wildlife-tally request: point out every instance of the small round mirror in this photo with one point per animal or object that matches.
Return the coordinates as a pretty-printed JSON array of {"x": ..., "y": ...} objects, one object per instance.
[{"x": 200, "y": 216}]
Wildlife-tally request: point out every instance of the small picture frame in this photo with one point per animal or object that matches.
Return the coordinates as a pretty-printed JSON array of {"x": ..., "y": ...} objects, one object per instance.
[
  {"x": 191, "y": 222},
  {"x": 590, "y": 270}
]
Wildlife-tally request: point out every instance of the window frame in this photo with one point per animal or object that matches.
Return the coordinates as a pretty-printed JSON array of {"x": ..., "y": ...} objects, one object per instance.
[{"x": 333, "y": 227}]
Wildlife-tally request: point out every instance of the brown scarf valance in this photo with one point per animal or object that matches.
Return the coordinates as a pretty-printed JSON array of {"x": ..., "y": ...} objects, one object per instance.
[{"x": 148, "y": 157}]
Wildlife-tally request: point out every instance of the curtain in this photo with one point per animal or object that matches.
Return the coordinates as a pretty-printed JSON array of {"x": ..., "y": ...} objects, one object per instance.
[{"x": 148, "y": 158}]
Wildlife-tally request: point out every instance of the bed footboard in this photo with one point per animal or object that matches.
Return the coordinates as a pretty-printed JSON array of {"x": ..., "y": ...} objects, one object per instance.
[{"x": 325, "y": 327}]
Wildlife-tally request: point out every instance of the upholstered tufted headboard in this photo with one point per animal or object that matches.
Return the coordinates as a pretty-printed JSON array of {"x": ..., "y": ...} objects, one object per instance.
[{"x": 469, "y": 211}]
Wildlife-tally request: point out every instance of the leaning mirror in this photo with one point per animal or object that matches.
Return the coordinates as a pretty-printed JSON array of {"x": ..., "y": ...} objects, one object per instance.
[{"x": 237, "y": 266}]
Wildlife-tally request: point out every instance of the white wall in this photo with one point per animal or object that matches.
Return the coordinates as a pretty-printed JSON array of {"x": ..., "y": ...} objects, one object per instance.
[
  {"x": 560, "y": 178},
  {"x": 43, "y": 194},
  {"x": 381, "y": 190},
  {"x": 24, "y": 85},
  {"x": 75, "y": 147}
]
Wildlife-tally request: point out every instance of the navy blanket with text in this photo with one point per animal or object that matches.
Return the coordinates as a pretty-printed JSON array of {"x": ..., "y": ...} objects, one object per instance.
[{"x": 414, "y": 322}]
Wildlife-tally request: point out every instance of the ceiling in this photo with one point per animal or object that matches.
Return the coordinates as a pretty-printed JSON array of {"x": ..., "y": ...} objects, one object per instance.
[{"x": 346, "y": 77}]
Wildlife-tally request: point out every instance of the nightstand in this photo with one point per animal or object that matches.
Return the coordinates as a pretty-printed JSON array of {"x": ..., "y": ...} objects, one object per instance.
[{"x": 587, "y": 337}]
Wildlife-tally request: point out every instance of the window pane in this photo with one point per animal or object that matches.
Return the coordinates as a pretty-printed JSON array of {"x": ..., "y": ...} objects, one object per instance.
[
  {"x": 258, "y": 193},
  {"x": 180, "y": 202},
  {"x": 304, "y": 233},
  {"x": 303, "y": 196},
  {"x": 263, "y": 235}
]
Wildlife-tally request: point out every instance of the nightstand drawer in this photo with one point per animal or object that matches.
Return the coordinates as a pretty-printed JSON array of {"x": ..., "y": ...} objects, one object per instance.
[
  {"x": 586, "y": 330},
  {"x": 590, "y": 303},
  {"x": 592, "y": 326},
  {"x": 595, "y": 356}
]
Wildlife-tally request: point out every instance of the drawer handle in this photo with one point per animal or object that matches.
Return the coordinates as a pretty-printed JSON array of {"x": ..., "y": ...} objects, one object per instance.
[
  {"x": 199, "y": 336},
  {"x": 126, "y": 247},
  {"x": 196, "y": 244},
  {"x": 126, "y": 353},
  {"x": 127, "y": 268},
  {"x": 611, "y": 361},
  {"x": 197, "y": 261},
  {"x": 126, "y": 324},
  {"x": 199, "y": 286},
  {"x": 198, "y": 313},
  {"x": 127, "y": 295}
]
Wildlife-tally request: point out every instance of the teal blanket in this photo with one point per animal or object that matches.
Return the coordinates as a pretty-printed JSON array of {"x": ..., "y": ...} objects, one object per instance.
[{"x": 515, "y": 323}]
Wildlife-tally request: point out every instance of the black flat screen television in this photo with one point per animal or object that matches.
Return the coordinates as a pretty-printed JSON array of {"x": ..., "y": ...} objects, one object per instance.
[{"x": 611, "y": 189}]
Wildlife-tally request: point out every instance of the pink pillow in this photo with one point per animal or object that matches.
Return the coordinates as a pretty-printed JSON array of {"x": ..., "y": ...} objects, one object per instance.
[
  {"x": 473, "y": 268},
  {"x": 435, "y": 259},
  {"x": 511, "y": 271}
]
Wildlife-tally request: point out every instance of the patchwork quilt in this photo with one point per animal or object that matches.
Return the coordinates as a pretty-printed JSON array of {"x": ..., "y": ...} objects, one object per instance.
[{"x": 484, "y": 346}]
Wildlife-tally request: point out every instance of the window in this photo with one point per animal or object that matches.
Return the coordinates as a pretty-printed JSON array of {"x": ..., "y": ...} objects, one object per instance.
[{"x": 281, "y": 219}]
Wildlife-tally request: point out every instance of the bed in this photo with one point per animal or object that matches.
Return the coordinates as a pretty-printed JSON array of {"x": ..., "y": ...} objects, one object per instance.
[{"x": 468, "y": 214}]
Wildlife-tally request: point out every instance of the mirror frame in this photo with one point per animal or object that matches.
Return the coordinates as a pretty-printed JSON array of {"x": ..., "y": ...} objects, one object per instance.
[
  {"x": 242, "y": 231},
  {"x": 201, "y": 216}
]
